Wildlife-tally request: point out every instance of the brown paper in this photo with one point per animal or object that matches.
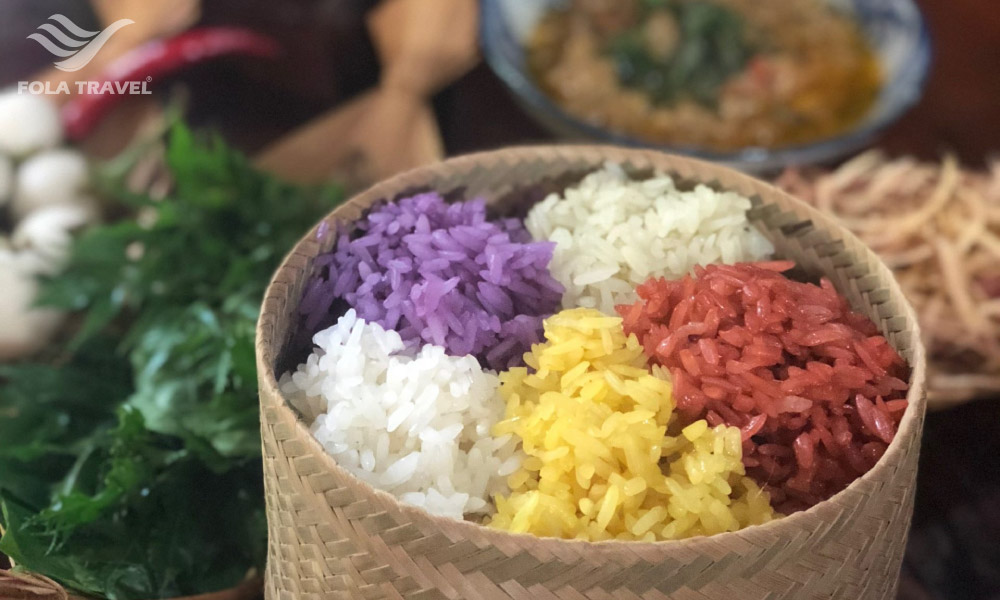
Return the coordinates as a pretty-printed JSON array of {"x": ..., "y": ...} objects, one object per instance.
[{"x": 333, "y": 537}]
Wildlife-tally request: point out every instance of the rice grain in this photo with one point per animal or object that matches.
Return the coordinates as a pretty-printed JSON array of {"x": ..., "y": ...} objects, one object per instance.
[
  {"x": 612, "y": 233},
  {"x": 413, "y": 422}
]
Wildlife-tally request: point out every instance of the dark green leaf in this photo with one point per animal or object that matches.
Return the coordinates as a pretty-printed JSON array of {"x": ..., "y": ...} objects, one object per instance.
[
  {"x": 133, "y": 470},
  {"x": 713, "y": 47}
]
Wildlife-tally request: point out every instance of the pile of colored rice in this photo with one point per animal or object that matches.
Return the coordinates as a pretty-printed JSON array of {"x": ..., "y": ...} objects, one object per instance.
[
  {"x": 593, "y": 420},
  {"x": 415, "y": 423},
  {"x": 612, "y": 233},
  {"x": 441, "y": 274},
  {"x": 712, "y": 402},
  {"x": 816, "y": 391}
]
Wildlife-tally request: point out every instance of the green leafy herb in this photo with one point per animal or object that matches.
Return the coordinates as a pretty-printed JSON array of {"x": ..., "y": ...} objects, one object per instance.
[
  {"x": 131, "y": 470},
  {"x": 712, "y": 46},
  {"x": 50, "y": 416}
]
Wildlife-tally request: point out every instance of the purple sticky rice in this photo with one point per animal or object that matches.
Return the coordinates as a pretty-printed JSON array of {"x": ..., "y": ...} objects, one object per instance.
[{"x": 441, "y": 274}]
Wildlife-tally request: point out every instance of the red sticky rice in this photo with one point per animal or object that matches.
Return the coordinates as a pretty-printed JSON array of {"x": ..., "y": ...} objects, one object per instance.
[{"x": 816, "y": 390}]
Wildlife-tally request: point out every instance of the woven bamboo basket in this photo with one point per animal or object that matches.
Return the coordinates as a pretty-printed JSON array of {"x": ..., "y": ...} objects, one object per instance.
[{"x": 333, "y": 537}]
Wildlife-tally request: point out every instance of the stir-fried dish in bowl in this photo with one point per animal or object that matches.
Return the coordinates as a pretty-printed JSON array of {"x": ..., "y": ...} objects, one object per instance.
[{"x": 765, "y": 82}]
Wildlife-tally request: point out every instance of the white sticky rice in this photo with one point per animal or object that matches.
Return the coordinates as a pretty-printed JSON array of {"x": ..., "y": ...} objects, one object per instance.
[
  {"x": 414, "y": 424},
  {"x": 613, "y": 233}
]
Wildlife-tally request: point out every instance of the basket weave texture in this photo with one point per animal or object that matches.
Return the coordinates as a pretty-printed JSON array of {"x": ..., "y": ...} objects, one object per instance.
[
  {"x": 333, "y": 537},
  {"x": 21, "y": 585}
]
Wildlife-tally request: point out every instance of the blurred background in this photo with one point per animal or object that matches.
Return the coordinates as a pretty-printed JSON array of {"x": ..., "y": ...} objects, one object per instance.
[{"x": 329, "y": 57}]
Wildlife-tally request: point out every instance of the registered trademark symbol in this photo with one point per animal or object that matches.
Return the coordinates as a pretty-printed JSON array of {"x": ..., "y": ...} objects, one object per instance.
[{"x": 148, "y": 78}]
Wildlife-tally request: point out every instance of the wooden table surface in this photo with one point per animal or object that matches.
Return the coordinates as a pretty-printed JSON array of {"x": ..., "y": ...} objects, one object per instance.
[{"x": 954, "y": 547}]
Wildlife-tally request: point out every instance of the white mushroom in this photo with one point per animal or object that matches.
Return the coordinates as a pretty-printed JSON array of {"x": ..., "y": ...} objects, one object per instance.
[
  {"x": 49, "y": 178},
  {"x": 25, "y": 329},
  {"x": 28, "y": 124},
  {"x": 47, "y": 233},
  {"x": 6, "y": 179}
]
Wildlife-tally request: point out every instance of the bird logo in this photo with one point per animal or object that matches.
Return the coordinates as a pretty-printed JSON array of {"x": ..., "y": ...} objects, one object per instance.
[{"x": 77, "y": 46}]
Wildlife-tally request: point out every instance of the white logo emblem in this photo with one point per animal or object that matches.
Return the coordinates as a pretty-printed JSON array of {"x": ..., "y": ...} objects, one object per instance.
[{"x": 73, "y": 43}]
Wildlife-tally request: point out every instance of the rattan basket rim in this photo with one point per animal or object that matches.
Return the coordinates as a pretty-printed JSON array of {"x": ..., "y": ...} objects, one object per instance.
[{"x": 726, "y": 178}]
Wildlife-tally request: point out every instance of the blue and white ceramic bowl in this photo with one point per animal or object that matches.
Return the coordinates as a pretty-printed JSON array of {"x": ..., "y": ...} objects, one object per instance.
[{"x": 895, "y": 28}]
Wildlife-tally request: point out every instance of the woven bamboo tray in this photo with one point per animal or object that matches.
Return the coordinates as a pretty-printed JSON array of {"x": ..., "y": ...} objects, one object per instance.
[
  {"x": 29, "y": 586},
  {"x": 333, "y": 537}
]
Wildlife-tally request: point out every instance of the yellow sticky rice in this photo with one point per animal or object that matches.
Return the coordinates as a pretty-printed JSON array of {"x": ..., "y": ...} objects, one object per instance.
[{"x": 601, "y": 463}]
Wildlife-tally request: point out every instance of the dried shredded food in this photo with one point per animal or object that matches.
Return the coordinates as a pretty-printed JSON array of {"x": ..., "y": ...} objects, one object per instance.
[
  {"x": 938, "y": 228},
  {"x": 816, "y": 391}
]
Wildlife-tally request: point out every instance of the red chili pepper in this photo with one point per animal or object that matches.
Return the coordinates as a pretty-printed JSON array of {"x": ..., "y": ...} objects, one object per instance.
[{"x": 160, "y": 58}]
